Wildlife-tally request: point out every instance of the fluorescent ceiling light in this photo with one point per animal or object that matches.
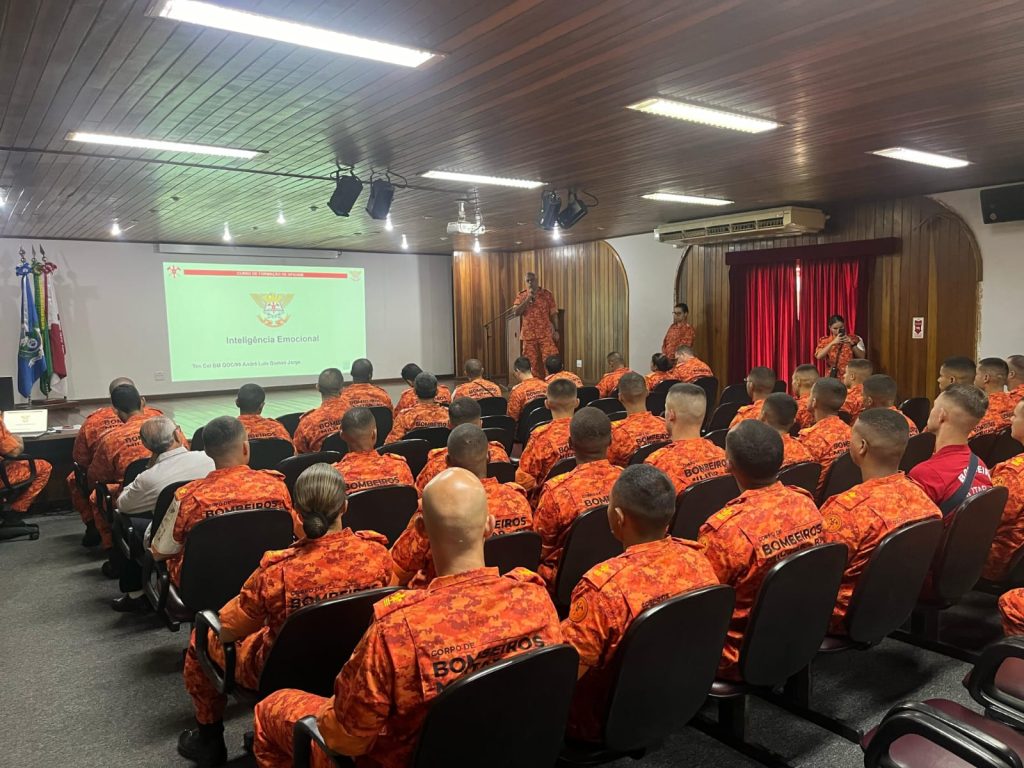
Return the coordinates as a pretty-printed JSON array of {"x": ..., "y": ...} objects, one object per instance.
[
  {"x": 704, "y": 115},
  {"x": 473, "y": 178},
  {"x": 163, "y": 146},
  {"x": 232, "y": 20},
  {"x": 924, "y": 158},
  {"x": 668, "y": 197}
]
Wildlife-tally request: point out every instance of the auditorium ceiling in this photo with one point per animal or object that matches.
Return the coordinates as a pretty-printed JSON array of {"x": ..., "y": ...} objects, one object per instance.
[{"x": 528, "y": 89}]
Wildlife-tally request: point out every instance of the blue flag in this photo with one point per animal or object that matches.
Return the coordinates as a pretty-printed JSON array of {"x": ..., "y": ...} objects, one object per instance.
[{"x": 31, "y": 360}]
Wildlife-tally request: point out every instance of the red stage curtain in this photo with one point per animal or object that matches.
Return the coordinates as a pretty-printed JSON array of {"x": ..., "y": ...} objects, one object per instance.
[
  {"x": 763, "y": 303},
  {"x": 827, "y": 287}
]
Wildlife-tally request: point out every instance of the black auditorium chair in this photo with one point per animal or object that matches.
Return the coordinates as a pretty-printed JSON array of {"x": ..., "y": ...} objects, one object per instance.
[
  {"x": 1013, "y": 578},
  {"x": 12, "y": 524},
  {"x": 529, "y": 421},
  {"x": 561, "y": 467},
  {"x": 608, "y": 405},
  {"x": 1004, "y": 449},
  {"x": 586, "y": 395},
  {"x": 293, "y": 466},
  {"x": 983, "y": 445},
  {"x": 710, "y": 386},
  {"x": 436, "y": 437},
  {"x": 105, "y": 500},
  {"x": 414, "y": 451},
  {"x": 640, "y": 454},
  {"x": 506, "y": 437},
  {"x": 919, "y": 448},
  {"x": 723, "y": 416},
  {"x": 486, "y": 696},
  {"x": 493, "y": 406},
  {"x": 502, "y": 471},
  {"x": 735, "y": 393},
  {"x": 501, "y": 421},
  {"x": 841, "y": 476},
  {"x": 385, "y": 420},
  {"x": 718, "y": 437},
  {"x": 664, "y": 386},
  {"x": 269, "y": 452},
  {"x": 660, "y": 675},
  {"x": 129, "y": 530},
  {"x": 520, "y": 549},
  {"x": 917, "y": 409},
  {"x": 196, "y": 443},
  {"x": 334, "y": 444},
  {"x": 780, "y": 386},
  {"x": 618, "y": 416},
  {"x": 699, "y": 502},
  {"x": 803, "y": 475},
  {"x": 290, "y": 421},
  {"x": 531, "y": 405},
  {"x": 656, "y": 402},
  {"x": 588, "y": 542},
  {"x": 384, "y": 510}
]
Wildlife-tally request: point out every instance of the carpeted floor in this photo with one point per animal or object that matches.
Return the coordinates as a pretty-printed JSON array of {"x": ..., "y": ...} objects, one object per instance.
[{"x": 86, "y": 687}]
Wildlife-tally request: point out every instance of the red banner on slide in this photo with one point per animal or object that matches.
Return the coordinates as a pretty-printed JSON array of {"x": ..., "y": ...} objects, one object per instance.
[{"x": 261, "y": 273}]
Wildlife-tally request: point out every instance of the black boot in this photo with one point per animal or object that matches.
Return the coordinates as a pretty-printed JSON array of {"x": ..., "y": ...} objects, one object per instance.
[
  {"x": 204, "y": 745},
  {"x": 91, "y": 537}
]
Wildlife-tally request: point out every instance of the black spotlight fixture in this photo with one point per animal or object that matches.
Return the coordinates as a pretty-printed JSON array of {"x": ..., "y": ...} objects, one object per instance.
[
  {"x": 550, "y": 203},
  {"x": 382, "y": 192},
  {"x": 346, "y": 191},
  {"x": 575, "y": 209}
]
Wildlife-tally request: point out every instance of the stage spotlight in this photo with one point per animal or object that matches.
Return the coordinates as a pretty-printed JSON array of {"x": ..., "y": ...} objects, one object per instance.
[
  {"x": 381, "y": 194},
  {"x": 550, "y": 203},
  {"x": 346, "y": 192},
  {"x": 575, "y": 209}
]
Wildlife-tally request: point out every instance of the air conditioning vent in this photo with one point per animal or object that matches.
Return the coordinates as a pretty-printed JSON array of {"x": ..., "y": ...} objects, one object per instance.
[{"x": 774, "y": 222}]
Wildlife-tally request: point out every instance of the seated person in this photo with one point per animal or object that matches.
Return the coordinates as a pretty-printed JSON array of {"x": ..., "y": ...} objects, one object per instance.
[
  {"x": 779, "y": 413},
  {"x": 463, "y": 410},
  {"x": 329, "y": 562},
  {"x": 231, "y": 487},
  {"x": 477, "y": 387},
  {"x": 640, "y": 427},
  {"x": 768, "y": 522},
  {"x": 828, "y": 437},
  {"x": 1010, "y": 534},
  {"x": 506, "y": 503},
  {"x": 12, "y": 446},
  {"x": 760, "y": 383},
  {"x": 880, "y": 392},
  {"x": 250, "y": 401},
  {"x": 362, "y": 393},
  {"x": 804, "y": 378},
  {"x": 528, "y": 389},
  {"x": 690, "y": 458},
  {"x": 548, "y": 444},
  {"x": 409, "y": 398},
  {"x": 661, "y": 370},
  {"x": 362, "y": 467},
  {"x": 316, "y": 425},
  {"x": 1015, "y": 377},
  {"x": 953, "y": 473},
  {"x": 857, "y": 372},
  {"x": 554, "y": 369},
  {"x": 566, "y": 497},
  {"x": 689, "y": 367},
  {"x": 653, "y": 568},
  {"x": 616, "y": 370},
  {"x": 886, "y": 501},
  {"x": 956, "y": 370},
  {"x": 382, "y": 694},
  {"x": 991, "y": 379},
  {"x": 426, "y": 412},
  {"x": 1011, "y": 610}
]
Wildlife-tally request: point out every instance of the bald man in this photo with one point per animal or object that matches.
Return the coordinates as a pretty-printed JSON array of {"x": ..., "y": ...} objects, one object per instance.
[
  {"x": 857, "y": 372},
  {"x": 880, "y": 392},
  {"x": 690, "y": 458},
  {"x": 469, "y": 618},
  {"x": 316, "y": 425},
  {"x": 956, "y": 370},
  {"x": 760, "y": 383},
  {"x": 885, "y": 501},
  {"x": 991, "y": 379},
  {"x": 616, "y": 370},
  {"x": 477, "y": 387},
  {"x": 640, "y": 427}
]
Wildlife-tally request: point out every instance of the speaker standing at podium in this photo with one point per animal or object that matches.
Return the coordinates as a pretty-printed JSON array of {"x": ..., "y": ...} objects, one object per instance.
[{"x": 538, "y": 315}]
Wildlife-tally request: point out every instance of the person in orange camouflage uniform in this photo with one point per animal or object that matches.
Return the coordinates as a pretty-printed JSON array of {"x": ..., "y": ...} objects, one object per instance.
[
  {"x": 555, "y": 370},
  {"x": 329, "y": 562},
  {"x": 689, "y": 367},
  {"x": 416, "y": 644},
  {"x": 316, "y": 425},
  {"x": 548, "y": 444},
  {"x": 231, "y": 487},
  {"x": 779, "y": 413},
  {"x": 12, "y": 445},
  {"x": 426, "y": 413},
  {"x": 804, "y": 378},
  {"x": 538, "y": 325},
  {"x": 361, "y": 393},
  {"x": 857, "y": 372},
  {"x": 839, "y": 347},
  {"x": 616, "y": 370},
  {"x": 991, "y": 379},
  {"x": 527, "y": 390},
  {"x": 880, "y": 392},
  {"x": 886, "y": 501},
  {"x": 1015, "y": 377},
  {"x": 250, "y": 401},
  {"x": 680, "y": 333},
  {"x": 1011, "y": 610},
  {"x": 463, "y": 410},
  {"x": 829, "y": 437},
  {"x": 760, "y": 383},
  {"x": 408, "y": 397},
  {"x": 568, "y": 496},
  {"x": 477, "y": 387},
  {"x": 661, "y": 370},
  {"x": 506, "y": 503},
  {"x": 362, "y": 467},
  {"x": 1010, "y": 534},
  {"x": 768, "y": 522},
  {"x": 690, "y": 458},
  {"x": 640, "y": 427},
  {"x": 653, "y": 568}
]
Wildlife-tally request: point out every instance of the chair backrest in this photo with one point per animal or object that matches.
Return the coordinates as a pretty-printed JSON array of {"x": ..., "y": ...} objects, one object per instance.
[
  {"x": 384, "y": 510},
  {"x": 561, "y": 467},
  {"x": 163, "y": 501},
  {"x": 919, "y": 448},
  {"x": 488, "y": 696},
  {"x": 656, "y": 402},
  {"x": 436, "y": 437},
  {"x": 532, "y": 404},
  {"x": 493, "y": 406},
  {"x": 664, "y": 386},
  {"x": 735, "y": 393},
  {"x": 617, "y": 416},
  {"x": 414, "y": 451},
  {"x": 717, "y": 437},
  {"x": 588, "y": 543},
  {"x": 846, "y": 417},
  {"x": 640, "y": 454},
  {"x": 290, "y": 421},
  {"x": 965, "y": 544},
  {"x": 196, "y": 443},
  {"x": 841, "y": 477},
  {"x": 1004, "y": 449},
  {"x": 780, "y": 386},
  {"x": 803, "y": 475},
  {"x": 502, "y": 471},
  {"x": 269, "y": 452},
  {"x": 315, "y": 642},
  {"x": 664, "y": 667},
  {"x": 221, "y": 552},
  {"x": 699, "y": 502},
  {"x": 710, "y": 386},
  {"x": 333, "y": 442},
  {"x": 791, "y": 614},
  {"x": 503, "y": 435},
  {"x": 587, "y": 395},
  {"x": 888, "y": 587},
  {"x": 294, "y": 466},
  {"x": 917, "y": 409},
  {"x": 513, "y": 550},
  {"x": 530, "y": 421},
  {"x": 723, "y": 415},
  {"x": 983, "y": 445},
  {"x": 385, "y": 420},
  {"x": 502, "y": 421},
  {"x": 608, "y": 405},
  {"x": 135, "y": 469}
]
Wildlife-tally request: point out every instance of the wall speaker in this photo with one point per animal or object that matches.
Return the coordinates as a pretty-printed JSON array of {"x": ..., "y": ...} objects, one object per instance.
[{"x": 1002, "y": 204}]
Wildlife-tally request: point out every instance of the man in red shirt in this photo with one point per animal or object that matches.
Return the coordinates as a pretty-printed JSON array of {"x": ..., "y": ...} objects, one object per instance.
[
  {"x": 528, "y": 389},
  {"x": 477, "y": 387},
  {"x": 953, "y": 473},
  {"x": 779, "y": 413},
  {"x": 857, "y": 372},
  {"x": 760, "y": 383},
  {"x": 689, "y": 367},
  {"x": 316, "y": 425},
  {"x": 991, "y": 378},
  {"x": 616, "y": 370},
  {"x": 956, "y": 370},
  {"x": 555, "y": 370},
  {"x": 538, "y": 333},
  {"x": 361, "y": 393},
  {"x": 880, "y": 392},
  {"x": 250, "y": 401},
  {"x": 640, "y": 427},
  {"x": 680, "y": 333}
]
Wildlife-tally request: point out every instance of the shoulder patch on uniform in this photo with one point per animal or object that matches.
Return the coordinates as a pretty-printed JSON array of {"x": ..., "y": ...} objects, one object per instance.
[
  {"x": 373, "y": 536},
  {"x": 847, "y": 500},
  {"x": 832, "y": 522},
  {"x": 718, "y": 519},
  {"x": 397, "y": 600},
  {"x": 524, "y": 575},
  {"x": 580, "y": 609},
  {"x": 602, "y": 573}
]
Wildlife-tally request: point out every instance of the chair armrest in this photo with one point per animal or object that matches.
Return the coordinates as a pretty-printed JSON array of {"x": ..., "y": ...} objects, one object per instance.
[
  {"x": 5, "y": 480},
  {"x": 157, "y": 581},
  {"x": 982, "y": 683},
  {"x": 304, "y": 735},
  {"x": 208, "y": 622}
]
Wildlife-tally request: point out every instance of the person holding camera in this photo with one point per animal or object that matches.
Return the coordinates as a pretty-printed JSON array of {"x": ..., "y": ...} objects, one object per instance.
[{"x": 839, "y": 347}]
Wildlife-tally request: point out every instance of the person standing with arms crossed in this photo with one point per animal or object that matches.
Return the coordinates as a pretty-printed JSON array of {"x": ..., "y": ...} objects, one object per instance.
[{"x": 538, "y": 315}]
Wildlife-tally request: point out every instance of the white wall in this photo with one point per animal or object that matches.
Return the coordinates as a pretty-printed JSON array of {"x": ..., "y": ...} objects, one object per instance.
[
  {"x": 114, "y": 319},
  {"x": 1002, "y": 257}
]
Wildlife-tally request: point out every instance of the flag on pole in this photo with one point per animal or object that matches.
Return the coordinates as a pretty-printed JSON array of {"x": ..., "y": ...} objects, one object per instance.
[
  {"x": 43, "y": 325},
  {"x": 31, "y": 362},
  {"x": 58, "y": 364}
]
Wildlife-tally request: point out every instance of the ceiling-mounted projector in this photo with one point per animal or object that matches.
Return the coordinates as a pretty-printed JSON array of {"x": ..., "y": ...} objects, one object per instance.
[{"x": 463, "y": 226}]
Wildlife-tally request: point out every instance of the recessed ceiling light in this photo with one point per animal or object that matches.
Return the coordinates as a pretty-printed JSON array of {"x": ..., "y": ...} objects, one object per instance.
[
  {"x": 668, "y": 197},
  {"x": 924, "y": 158},
  {"x": 556, "y": 233},
  {"x": 405, "y": 243},
  {"x": 282, "y": 30},
  {"x": 476, "y": 245},
  {"x": 388, "y": 225},
  {"x": 115, "y": 229},
  {"x": 226, "y": 237},
  {"x": 472, "y": 178},
  {"x": 164, "y": 146},
  {"x": 693, "y": 113},
  {"x": 281, "y": 219}
]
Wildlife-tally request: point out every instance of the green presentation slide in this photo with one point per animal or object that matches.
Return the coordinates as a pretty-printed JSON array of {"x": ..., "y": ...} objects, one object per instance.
[{"x": 229, "y": 321}]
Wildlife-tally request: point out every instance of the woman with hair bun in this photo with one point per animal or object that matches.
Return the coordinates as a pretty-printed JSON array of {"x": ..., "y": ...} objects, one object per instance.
[{"x": 331, "y": 561}]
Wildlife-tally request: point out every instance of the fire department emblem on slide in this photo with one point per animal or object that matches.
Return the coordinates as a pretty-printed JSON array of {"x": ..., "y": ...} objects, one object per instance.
[{"x": 272, "y": 308}]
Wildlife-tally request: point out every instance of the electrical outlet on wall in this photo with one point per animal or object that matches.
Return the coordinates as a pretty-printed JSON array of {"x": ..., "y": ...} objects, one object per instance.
[
  {"x": 159, "y": 375},
  {"x": 579, "y": 363}
]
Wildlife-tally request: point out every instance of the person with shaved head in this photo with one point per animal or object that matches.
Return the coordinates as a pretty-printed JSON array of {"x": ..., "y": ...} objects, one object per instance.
[
  {"x": 857, "y": 372},
  {"x": 527, "y": 389},
  {"x": 616, "y": 370},
  {"x": 954, "y": 473},
  {"x": 760, "y": 383},
  {"x": 362, "y": 466},
  {"x": 420, "y": 641},
  {"x": 477, "y": 387},
  {"x": 804, "y": 378},
  {"x": 566, "y": 497},
  {"x": 463, "y": 410},
  {"x": 1015, "y": 377},
  {"x": 427, "y": 412},
  {"x": 1009, "y": 536},
  {"x": 956, "y": 370},
  {"x": 991, "y": 379},
  {"x": 250, "y": 401},
  {"x": 640, "y": 427},
  {"x": 316, "y": 425},
  {"x": 362, "y": 392},
  {"x": 688, "y": 366},
  {"x": 690, "y": 458},
  {"x": 548, "y": 444},
  {"x": 409, "y": 398},
  {"x": 885, "y": 501},
  {"x": 829, "y": 437},
  {"x": 880, "y": 392},
  {"x": 779, "y": 413}
]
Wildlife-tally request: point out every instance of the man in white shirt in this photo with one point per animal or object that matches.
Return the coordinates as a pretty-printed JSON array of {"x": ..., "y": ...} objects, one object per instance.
[{"x": 171, "y": 463}]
